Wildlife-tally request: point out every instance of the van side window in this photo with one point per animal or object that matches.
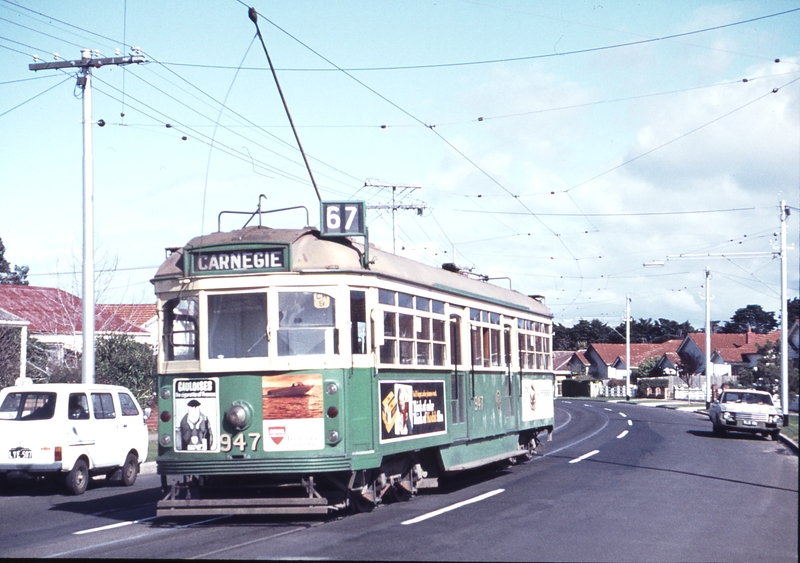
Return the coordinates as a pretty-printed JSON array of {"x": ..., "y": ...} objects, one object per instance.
[
  {"x": 103, "y": 405},
  {"x": 78, "y": 406},
  {"x": 127, "y": 405}
]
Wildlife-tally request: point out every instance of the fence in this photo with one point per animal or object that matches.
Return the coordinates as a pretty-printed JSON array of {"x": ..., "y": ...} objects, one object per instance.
[
  {"x": 688, "y": 394},
  {"x": 618, "y": 391}
]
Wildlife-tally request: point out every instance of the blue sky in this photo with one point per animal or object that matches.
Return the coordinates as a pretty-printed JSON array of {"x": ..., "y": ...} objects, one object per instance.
[{"x": 561, "y": 145}]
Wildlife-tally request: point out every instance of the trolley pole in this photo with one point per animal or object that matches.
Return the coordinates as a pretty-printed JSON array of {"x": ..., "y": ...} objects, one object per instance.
[
  {"x": 628, "y": 347},
  {"x": 85, "y": 65}
]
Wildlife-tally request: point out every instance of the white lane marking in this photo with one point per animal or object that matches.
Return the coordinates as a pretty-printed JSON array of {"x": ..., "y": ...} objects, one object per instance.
[
  {"x": 623, "y": 415},
  {"x": 622, "y": 434},
  {"x": 452, "y": 507},
  {"x": 112, "y": 526},
  {"x": 630, "y": 423},
  {"x": 585, "y": 456},
  {"x": 568, "y": 402},
  {"x": 607, "y": 409},
  {"x": 585, "y": 405}
]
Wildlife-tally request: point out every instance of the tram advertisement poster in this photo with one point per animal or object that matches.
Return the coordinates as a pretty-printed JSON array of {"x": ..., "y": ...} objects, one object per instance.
[
  {"x": 411, "y": 409},
  {"x": 196, "y": 406},
  {"x": 292, "y": 406},
  {"x": 537, "y": 399}
]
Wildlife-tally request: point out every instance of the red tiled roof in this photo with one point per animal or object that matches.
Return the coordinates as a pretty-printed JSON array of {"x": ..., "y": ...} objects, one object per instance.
[
  {"x": 639, "y": 352},
  {"x": 135, "y": 314},
  {"x": 53, "y": 311},
  {"x": 734, "y": 340}
]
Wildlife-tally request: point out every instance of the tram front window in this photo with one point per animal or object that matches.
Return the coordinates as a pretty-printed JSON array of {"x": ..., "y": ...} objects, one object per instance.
[
  {"x": 306, "y": 324},
  {"x": 237, "y": 325}
]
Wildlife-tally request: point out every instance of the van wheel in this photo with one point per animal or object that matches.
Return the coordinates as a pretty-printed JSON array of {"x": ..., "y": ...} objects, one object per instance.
[
  {"x": 130, "y": 470},
  {"x": 78, "y": 479}
]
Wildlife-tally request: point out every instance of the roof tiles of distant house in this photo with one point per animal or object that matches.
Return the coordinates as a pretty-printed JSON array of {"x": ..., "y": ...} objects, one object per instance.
[
  {"x": 54, "y": 311},
  {"x": 639, "y": 352},
  {"x": 136, "y": 314}
]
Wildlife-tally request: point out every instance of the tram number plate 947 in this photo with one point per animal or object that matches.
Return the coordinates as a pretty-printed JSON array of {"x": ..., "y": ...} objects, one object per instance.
[{"x": 19, "y": 454}]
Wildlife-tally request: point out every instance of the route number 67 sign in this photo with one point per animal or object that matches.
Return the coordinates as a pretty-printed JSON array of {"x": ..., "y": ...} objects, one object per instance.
[{"x": 343, "y": 218}]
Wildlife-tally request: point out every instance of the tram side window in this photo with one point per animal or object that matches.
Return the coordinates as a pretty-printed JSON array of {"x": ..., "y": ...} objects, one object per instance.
[
  {"x": 414, "y": 332},
  {"x": 180, "y": 328},
  {"x": 534, "y": 344},
  {"x": 237, "y": 325},
  {"x": 306, "y": 324},
  {"x": 485, "y": 338}
]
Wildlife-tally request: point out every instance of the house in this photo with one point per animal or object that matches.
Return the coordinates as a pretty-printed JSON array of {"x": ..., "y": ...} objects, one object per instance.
[
  {"x": 10, "y": 366},
  {"x": 144, "y": 316},
  {"x": 54, "y": 318},
  {"x": 607, "y": 361},
  {"x": 730, "y": 353}
]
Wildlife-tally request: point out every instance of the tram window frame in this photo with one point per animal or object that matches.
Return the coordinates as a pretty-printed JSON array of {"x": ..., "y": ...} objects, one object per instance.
[
  {"x": 188, "y": 317},
  {"x": 534, "y": 345},
  {"x": 485, "y": 341},
  {"x": 304, "y": 340},
  {"x": 237, "y": 325},
  {"x": 408, "y": 330}
]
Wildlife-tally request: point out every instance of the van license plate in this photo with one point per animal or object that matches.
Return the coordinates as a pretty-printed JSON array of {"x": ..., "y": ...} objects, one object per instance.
[
  {"x": 750, "y": 423},
  {"x": 19, "y": 454}
]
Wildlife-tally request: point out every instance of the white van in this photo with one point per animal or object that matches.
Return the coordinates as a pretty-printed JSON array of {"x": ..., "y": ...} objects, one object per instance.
[{"x": 71, "y": 429}]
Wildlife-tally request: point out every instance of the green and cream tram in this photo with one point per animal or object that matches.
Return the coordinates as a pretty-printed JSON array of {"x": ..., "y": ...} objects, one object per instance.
[{"x": 305, "y": 373}]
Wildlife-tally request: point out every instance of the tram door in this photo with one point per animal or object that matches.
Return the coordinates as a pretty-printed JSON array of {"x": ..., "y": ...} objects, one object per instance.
[
  {"x": 359, "y": 380},
  {"x": 458, "y": 380}
]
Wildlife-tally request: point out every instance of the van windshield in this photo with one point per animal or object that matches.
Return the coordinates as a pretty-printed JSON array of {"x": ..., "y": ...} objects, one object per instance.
[{"x": 30, "y": 405}]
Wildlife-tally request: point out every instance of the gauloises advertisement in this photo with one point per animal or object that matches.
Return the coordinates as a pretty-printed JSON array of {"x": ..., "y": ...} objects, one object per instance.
[
  {"x": 411, "y": 409},
  {"x": 292, "y": 412},
  {"x": 537, "y": 399},
  {"x": 196, "y": 407}
]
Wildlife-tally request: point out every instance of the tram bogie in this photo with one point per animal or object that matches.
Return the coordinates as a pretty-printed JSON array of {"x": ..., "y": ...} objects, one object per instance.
[{"x": 296, "y": 376}]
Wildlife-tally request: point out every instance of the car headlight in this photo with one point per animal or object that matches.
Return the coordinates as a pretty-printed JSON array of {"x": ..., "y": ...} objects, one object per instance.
[
  {"x": 727, "y": 415},
  {"x": 775, "y": 418}
]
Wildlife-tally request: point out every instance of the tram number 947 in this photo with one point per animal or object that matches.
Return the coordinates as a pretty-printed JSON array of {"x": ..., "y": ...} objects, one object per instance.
[
  {"x": 343, "y": 218},
  {"x": 226, "y": 444}
]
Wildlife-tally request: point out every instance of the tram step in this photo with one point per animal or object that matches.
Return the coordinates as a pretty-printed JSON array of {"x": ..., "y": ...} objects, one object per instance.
[{"x": 203, "y": 507}]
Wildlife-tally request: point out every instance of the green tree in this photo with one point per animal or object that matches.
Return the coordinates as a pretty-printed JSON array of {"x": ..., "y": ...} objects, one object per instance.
[
  {"x": 766, "y": 374},
  {"x": 581, "y": 334},
  {"x": 755, "y": 317},
  {"x": 647, "y": 331},
  {"x": 120, "y": 360},
  {"x": 648, "y": 367},
  {"x": 793, "y": 310},
  {"x": 18, "y": 276}
]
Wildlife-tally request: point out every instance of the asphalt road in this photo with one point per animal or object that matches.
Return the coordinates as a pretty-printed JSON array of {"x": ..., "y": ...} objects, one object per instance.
[{"x": 619, "y": 482}]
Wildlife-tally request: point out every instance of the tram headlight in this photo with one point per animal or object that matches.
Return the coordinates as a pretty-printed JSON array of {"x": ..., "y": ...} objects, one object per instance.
[
  {"x": 333, "y": 436},
  {"x": 332, "y": 388},
  {"x": 165, "y": 393},
  {"x": 165, "y": 440},
  {"x": 239, "y": 415}
]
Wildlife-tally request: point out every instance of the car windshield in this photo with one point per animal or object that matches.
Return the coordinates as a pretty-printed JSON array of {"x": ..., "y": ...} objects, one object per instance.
[
  {"x": 29, "y": 405},
  {"x": 749, "y": 398}
]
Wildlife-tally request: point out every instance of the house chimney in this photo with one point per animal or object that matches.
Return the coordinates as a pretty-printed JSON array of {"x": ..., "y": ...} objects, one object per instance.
[{"x": 748, "y": 334}]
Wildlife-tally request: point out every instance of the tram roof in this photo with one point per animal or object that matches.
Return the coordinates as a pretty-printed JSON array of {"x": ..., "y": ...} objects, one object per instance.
[{"x": 310, "y": 253}]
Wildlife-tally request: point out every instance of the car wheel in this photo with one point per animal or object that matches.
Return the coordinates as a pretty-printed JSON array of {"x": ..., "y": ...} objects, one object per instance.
[
  {"x": 78, "y": 479},
  {"x": 130, "y": 470}
]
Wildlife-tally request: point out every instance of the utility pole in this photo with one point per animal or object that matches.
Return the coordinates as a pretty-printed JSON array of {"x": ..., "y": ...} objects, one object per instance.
[
  {"x": 708, "y": 338},
  {"x": 84, "y": 65},
  {"x": 784, "y": 321},
  {"x": 628, "y": 347},
  {"x": 394, "y": 206}
]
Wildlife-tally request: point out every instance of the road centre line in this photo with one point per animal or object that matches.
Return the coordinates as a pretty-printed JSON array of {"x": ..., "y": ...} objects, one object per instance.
[
  {"x": 606, "y": 409},
  {"x": 584, "y": 456},
  {"x": 453, "y": 507},
  {"x": 622, "y": 434},
  {"x": 623, "y": 415},
  {"x": 630, "y": 423}
]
